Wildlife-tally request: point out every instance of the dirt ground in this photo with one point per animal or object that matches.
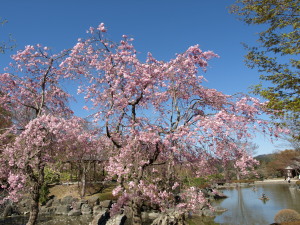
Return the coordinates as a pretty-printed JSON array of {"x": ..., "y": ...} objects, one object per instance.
[
  {"x": 277, "y": 180},
  {"x": 103, "y": 191}
]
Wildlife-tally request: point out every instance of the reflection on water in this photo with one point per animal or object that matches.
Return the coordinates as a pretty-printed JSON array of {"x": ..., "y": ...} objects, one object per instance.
[
  {"x": 245, "y": 207},
  {"x": 49, "y": 220}
]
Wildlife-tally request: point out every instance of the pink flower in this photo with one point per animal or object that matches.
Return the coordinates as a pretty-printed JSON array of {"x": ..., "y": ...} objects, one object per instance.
[{"x": 101, "y": 28}]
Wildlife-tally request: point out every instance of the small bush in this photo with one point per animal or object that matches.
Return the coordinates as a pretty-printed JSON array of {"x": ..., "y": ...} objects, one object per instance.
[
  {"x": 51, "y": 176},
  {"x": 65, "y": 176},
  {"x": 286, "y": 215},
  {"x": 298, "y": 182},
  {"x": 44, "y": 194},
  {"x": 195, "y": 181}
]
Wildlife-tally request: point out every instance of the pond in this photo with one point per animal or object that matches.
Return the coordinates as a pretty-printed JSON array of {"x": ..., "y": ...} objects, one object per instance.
[{"x": 245, "y": 207}]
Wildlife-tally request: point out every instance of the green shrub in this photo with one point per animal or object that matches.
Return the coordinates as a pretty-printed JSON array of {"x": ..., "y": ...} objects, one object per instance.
[
  {"x": 44, "y": 192},
  {"x": 65, "y": 176},
  {"x": 286, "y": 215},
  {"x": 217, "y": 176},
  {"x": 51, "y": 176},
  {"x": 195, "y": 181},
  {"x": 298, "y": 182}
]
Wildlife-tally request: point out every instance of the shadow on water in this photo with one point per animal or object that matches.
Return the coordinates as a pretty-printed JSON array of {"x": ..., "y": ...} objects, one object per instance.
[{"x": 245, "y": 207}]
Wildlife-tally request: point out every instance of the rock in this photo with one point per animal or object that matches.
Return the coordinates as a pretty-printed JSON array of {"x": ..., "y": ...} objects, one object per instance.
[
  {"x": 149, "y": 215},
  {"x": 97, "y": 209},
  {"x": 94, "y": 200},
  {"x": 205, "y": 192},
  {"x": 47, "y": 210},
  {"x": 25, "y": 202},
  {"x": 78, "y": 205},
  {"x": 101, "y": 218},
  {"x": 175, "y": 218},
  {"x": 220, "y": 195},
  {"x": 24, "y": 205},
  {"x": 86, "y": 209},
  {"x": 68, "y": 200},
  {"x": 106, "y": 204},
  {"x": 8, "y": 211},
  {"x": 153, "y": 215},
  {"x": 74, "y": 212},
  {"x": 219, "y": 209},
  {"x": 49, "y": 203},
  {"x": 207, "y": 212},
  {"x": 63, "y": 210},
  {"x": 117, "y": 220},
  {"x": 56, "y": 202}
]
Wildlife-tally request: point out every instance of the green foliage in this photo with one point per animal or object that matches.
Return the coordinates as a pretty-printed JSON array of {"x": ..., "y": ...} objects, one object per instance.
[
  {"x": 195, "y": 181},
  {"x": 277, "y": 54},
  {"x": 65, "y": 176},
  {"x": 287, "y": 215},
  {"x": 106, "y": 193},
  {"x": 217, "y": 176},
  {"x": 51, "y": 176},
  {"x": 44, "y": 194}
]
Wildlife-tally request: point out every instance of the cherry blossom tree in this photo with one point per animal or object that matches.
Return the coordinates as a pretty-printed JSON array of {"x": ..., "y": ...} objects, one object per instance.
[
  {"x": 42, "y": 129},
  {"x": 160, "y": 119}
]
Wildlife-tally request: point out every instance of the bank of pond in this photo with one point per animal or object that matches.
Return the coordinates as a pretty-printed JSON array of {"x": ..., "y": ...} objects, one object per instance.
[{"x": 245, "y": 204}]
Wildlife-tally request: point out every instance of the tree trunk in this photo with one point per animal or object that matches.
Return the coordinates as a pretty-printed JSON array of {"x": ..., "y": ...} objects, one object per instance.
[
  {"x": 83, "y": 182},
  {"x": 37, "y": 182},
  {"x": 237, "y": 175},
  {"x": 34, "y": 208},
  {"x": 136, "y": 213}
]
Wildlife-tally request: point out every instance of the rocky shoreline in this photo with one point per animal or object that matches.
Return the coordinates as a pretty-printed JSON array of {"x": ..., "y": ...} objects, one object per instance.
[{"x": 97, "y": 212}]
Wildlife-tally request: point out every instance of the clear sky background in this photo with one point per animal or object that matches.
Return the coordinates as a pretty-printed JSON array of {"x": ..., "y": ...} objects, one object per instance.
[{"x": 162, "y": 27}]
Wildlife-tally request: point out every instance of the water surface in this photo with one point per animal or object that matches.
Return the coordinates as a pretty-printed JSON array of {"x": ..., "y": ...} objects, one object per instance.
[{"x": 245, "y": 207}]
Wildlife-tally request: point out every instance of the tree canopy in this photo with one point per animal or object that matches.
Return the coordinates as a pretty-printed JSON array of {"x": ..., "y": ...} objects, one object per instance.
[
  {"x": 155, "y": 118},
  {"x": 276, "y": 55}
]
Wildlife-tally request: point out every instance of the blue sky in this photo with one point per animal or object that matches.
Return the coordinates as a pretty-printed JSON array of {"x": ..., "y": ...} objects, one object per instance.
[{"x": 162, "y": 27}]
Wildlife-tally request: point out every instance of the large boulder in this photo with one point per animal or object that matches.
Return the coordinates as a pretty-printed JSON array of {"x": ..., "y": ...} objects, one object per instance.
[
  {"x": 117, "y": 220},
  {"x": 48, "y": 210},
  {"x": 78, "y": 205},
  {"x": 74, "y": 212},
  {"x": 97, "y": 209},
  {"x": 49, "y": 203},
  {"x": 86, "y": 209},
  {"x": 56, "y": 202},
  {"x": 95, "y": 200},
  {"x": 175, "y": 218},
  {"x": 106, "y": 204},
  {"x": 68, "y": 200},
  {"x": 8, "y": 211},
  {"x": 101, "y": 218},
  {"x": 150, "y": 216},
  {"x": 62, "y": 210},
  {"x": 219, "y": 209},
  {"x": 208, "y": 213}
]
